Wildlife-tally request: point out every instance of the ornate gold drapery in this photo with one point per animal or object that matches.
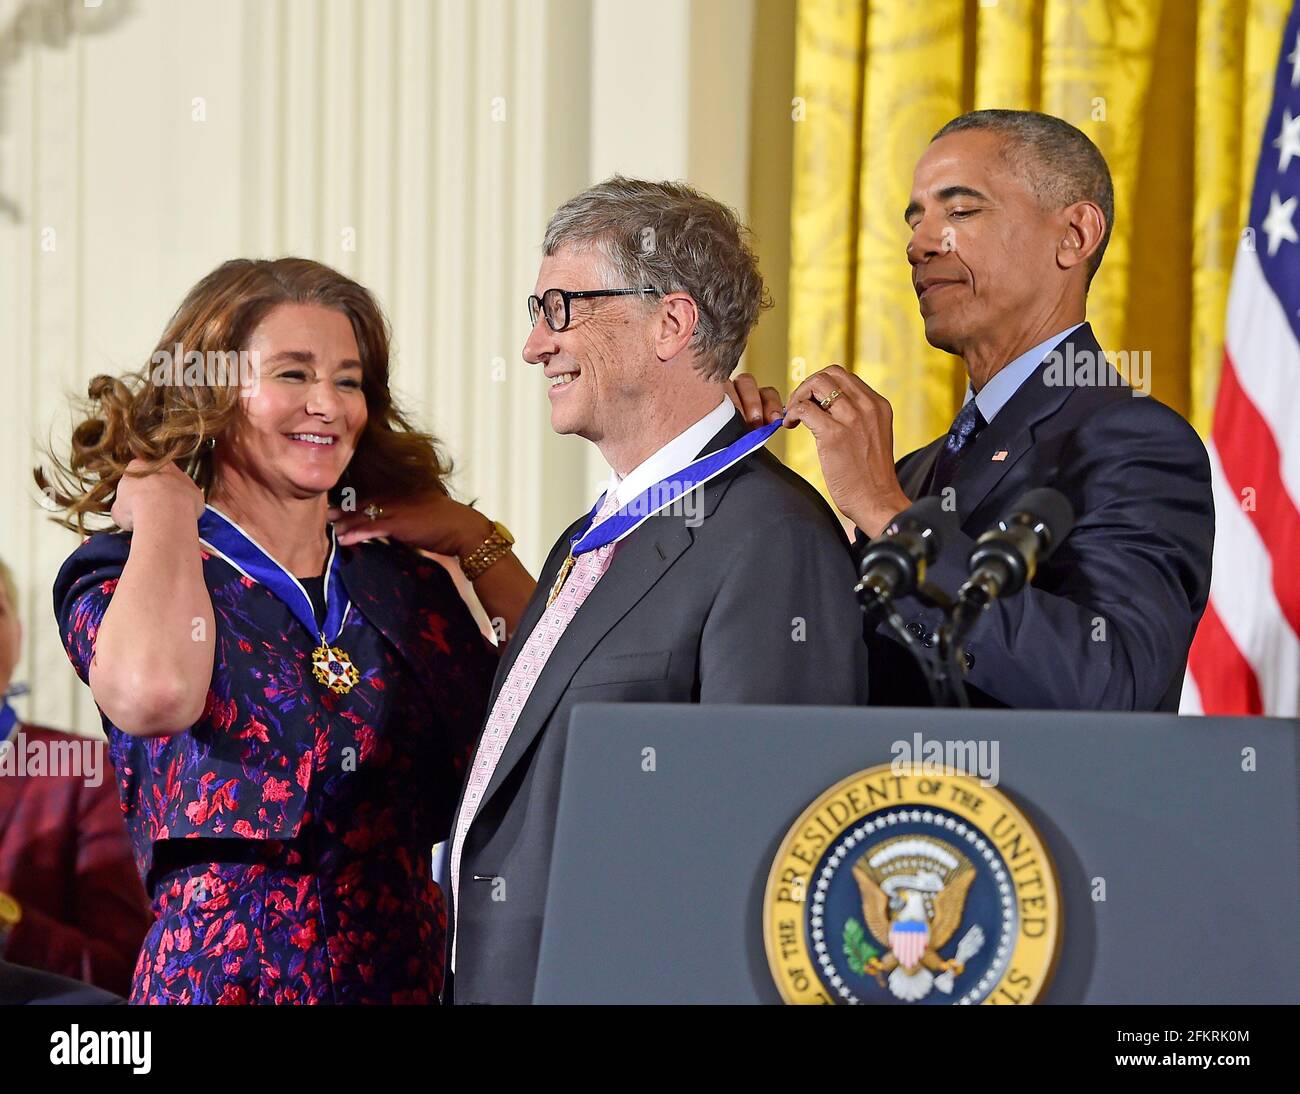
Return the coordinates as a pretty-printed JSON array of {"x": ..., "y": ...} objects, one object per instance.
[{"x": 1174, "y": 92}]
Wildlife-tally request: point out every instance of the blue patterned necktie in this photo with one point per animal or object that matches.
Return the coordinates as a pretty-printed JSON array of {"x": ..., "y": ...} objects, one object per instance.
[{"x": 965, "y": 428}]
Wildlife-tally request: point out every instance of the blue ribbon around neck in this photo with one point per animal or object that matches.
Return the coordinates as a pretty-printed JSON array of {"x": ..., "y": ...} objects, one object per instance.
[
  {"x": 224, "y": 537},
  {"x": 625, "y": 520},
  {"x": 8, "y": 719}
]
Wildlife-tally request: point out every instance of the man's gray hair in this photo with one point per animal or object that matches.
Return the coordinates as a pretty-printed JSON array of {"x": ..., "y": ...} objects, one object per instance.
[
  {"x": 1058, "y": 162},
  {"x": 669, "y": 237}
]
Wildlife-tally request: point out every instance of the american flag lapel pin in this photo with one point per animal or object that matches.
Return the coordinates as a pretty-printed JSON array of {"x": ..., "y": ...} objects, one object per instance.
[{"x": 999, "y": 455}]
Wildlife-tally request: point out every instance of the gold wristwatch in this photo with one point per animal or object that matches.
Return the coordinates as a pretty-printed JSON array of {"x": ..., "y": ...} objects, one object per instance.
[
  {"x": 11, "y": 913},
  {"x": 491, "y": 550}
]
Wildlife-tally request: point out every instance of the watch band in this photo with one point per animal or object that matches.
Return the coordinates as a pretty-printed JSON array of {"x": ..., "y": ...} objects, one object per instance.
[{"x": 491, "y": 550}]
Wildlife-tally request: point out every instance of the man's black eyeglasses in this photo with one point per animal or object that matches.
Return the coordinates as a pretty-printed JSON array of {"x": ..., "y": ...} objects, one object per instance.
[{"x": 554, "y": 303}]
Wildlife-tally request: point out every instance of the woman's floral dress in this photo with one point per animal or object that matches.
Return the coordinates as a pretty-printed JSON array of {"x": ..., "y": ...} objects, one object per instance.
[{"x": 285, "y": 838}]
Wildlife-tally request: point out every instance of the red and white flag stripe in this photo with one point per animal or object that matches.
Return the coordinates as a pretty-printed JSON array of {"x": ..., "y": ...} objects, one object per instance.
[{"x": 1246, "y": 655}]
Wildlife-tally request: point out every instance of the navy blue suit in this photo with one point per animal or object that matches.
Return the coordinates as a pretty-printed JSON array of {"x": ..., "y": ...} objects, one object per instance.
[{"x": 1108, "y": 620}]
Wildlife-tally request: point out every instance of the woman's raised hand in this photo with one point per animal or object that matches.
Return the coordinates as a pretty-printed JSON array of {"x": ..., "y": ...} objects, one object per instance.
[
  {"x": 167, "y": 490},
  {"x": 432, "y": 522}
]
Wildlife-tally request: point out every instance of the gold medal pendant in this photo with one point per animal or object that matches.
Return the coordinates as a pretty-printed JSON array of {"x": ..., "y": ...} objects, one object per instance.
[
  {"x": 334, "y": 668},
  {"x": 559, "y": 579}
]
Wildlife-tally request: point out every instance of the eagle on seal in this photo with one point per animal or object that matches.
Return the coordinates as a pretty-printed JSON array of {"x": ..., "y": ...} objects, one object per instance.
[{"x": 913, "y": 896}]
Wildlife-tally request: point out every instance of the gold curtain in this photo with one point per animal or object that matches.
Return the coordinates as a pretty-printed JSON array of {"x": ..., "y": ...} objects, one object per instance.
[{"x": 1174, "y": 93}]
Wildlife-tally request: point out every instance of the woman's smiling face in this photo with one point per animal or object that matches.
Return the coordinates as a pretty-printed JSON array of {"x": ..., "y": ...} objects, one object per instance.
[{"x": 301, "y": 421}]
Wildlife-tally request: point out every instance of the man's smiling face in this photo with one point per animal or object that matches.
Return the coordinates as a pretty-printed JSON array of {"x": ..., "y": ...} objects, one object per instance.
[
  {"x": 982, "y": 246},
  {"x": 600, "y": 367}
]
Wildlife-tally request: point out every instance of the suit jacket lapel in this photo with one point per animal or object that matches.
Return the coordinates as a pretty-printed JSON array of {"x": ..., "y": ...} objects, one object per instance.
[
  {"x": 914, "y": 469},
  {"x": 639, "y": 562},
  {"x": 534, "y": 609},
  {"x": 1011, "y": 432},
  {"x": 978, "y": 473}
]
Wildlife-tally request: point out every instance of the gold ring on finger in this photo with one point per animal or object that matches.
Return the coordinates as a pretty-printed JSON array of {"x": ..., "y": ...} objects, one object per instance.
[{"x": 825, "y": 403}]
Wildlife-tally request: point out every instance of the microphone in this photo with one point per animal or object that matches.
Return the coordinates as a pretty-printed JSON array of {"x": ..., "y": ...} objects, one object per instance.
[
  {"x": 1006, "y": 557},
  {"x": 893, "y": 564},
  {"x": 1002, "y": 562}
]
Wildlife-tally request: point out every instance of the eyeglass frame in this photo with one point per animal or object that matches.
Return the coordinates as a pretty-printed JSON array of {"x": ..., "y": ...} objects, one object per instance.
[{"x": 580, "y": 294}]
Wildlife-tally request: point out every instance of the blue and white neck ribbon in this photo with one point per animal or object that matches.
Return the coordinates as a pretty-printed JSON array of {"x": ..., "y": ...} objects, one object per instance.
[
  {"x": 227, "y": 540},
  {"x": 8, "y": 719},
  {"x": 655, "y": 499}
]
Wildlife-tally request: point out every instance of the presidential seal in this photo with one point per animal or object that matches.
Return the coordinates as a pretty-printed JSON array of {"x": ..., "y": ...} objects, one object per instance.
[{"x": 912, "y": 888}]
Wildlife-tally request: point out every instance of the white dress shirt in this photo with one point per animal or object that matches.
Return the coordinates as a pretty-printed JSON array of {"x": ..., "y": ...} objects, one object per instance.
[
  {"x": 672, "y": 457},
  {"x": 1004, "y": 383}
]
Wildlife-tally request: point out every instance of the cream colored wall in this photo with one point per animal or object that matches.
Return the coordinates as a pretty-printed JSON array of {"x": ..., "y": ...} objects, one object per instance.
[
  {"x": 669, "y": 99},
  {"x": 416, "y": 145}
]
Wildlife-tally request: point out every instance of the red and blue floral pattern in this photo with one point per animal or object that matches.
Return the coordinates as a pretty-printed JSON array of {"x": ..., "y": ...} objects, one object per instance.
[{"x": 345, "y": 794}]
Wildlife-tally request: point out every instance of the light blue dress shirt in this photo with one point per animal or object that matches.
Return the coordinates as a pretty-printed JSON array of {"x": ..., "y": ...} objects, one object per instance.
[{"x": 994, "y": 395}]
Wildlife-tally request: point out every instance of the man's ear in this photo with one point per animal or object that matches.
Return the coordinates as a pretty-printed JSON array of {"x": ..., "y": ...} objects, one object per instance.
[
  {"x": 1084, "y": 228},
  {"x": 677, "y": 319}
]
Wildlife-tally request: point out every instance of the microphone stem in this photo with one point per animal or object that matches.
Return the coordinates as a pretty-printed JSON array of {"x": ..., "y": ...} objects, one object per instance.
[
  {"x": 948, "y": 651},
  {"x": 972, "y": 599},
  {"x": 908, "y": 639},
  {"x": 878, "y": 603}
]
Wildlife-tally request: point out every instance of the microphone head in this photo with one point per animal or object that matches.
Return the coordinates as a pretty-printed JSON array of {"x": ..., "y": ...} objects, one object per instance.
[
  {"x": 1047, "y": 510},
  {"x": 911, "y": 541},
  {"x": 928, "y": 518},
  {"x": 920, "y": 514}
]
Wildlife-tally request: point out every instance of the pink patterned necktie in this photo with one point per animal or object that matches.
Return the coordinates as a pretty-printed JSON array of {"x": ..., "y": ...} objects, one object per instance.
[{"x": 518, "y": 686}]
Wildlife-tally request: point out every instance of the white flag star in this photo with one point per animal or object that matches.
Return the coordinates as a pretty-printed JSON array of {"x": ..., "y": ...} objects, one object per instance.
[
  {"x": 1277, "y": 225},
  {"x": 1294, "y": 58},
  {"x": 1288, "y": 140}
]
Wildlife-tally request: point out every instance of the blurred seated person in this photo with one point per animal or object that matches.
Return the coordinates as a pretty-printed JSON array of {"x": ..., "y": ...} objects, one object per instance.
[{"x": 71, "y": 902}]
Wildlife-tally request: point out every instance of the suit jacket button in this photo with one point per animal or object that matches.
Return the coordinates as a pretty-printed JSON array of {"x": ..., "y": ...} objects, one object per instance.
[
  {"x": 916, "y": 628},
  {"x": 928, "y": 641},
  {"x": 970, "y": 660}
]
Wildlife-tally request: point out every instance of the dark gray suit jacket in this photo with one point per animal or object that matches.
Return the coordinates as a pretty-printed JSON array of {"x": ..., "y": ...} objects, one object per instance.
[{"x": 754, "y": 605}]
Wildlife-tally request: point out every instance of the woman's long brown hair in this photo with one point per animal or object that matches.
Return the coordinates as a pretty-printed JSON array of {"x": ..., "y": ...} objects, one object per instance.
[{"x": 133, "y": 417}]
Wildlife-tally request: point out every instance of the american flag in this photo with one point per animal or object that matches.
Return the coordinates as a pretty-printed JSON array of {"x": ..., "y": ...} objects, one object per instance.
[{"x": 1246, "y": 655}]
